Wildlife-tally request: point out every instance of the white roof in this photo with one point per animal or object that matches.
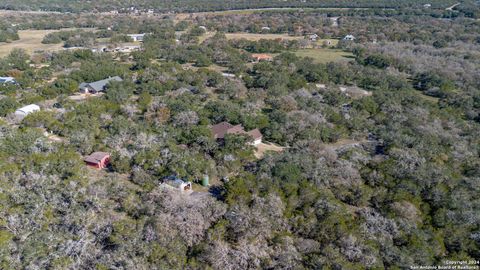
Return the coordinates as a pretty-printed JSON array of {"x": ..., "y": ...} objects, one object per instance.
[
  {"x": 136, "y": 35},
  {"x": 7, "y": 79},
  {"x": 29, "y": 109}
]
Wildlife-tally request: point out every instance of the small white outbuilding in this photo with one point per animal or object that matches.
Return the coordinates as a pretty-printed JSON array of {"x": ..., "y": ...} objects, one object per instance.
[
  {"x": 24, "y": 111},
  {"x": 349, "y": 37},
  {"x": 5, "y": 80}
]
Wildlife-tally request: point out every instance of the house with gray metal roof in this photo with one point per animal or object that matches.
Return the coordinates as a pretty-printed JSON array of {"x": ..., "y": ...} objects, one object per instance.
[{"x": 98, "y": 86}]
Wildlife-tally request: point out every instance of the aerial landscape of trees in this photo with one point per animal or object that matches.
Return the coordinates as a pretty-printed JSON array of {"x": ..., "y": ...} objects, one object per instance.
[
  {"x": 379, "y": 149},
  {"x": 469, "y": 7}
]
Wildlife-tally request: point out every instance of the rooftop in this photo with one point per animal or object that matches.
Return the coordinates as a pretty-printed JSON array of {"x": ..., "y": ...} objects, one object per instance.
[
  {"x": 96, "y": 157},
  {"x": 255, "y": 134},
  {"x": 221, "y": 129},
  {"x": 100, "y": 85},
  {"x": 29, "y": 108},
  {"x": 7, "y": 79}
]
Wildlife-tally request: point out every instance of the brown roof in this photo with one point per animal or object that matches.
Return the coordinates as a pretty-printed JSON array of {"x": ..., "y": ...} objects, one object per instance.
[
  {"x": 255, "y": 134},
  {"x": 219, "y": 130},
  {"x": 96, "y": 157},
  {"x": 238, "y": 129}
]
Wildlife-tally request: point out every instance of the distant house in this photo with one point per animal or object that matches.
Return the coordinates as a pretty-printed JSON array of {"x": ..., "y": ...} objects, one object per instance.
[
  {"x": 98, "y": 160},
  {"x": 178, "y": 184},
  {"x": 98, "y": 86},
  {"x": 127, "y": 49},
  {"x": 349, "y": 37},
  {"x": 228, "y": 75},
  {"x": 24, "y": 111},
  {"x": 313, "y": 37},
  {"x": 262, "y": 57},
  {"x": 220, "y": 130},
  {"x": 137, "y": 37},
  {"x": 99, "y": 49},
  {"x": 5, "y": 80}
]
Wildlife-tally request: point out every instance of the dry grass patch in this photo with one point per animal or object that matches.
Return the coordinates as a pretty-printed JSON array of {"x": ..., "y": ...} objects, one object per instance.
[
  {"x": 322, "y": 55},
  {"x": 31, "y": 41},
  {"x": 264, "y": 147}
]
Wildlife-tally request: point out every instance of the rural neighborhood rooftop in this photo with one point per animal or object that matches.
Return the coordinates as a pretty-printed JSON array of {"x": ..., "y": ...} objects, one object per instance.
[
  {"x": 221, "y": 129},
  {"x": 98, "y": 86}
]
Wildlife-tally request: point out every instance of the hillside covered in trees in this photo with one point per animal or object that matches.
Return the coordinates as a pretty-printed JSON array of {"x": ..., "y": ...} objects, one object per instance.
[
  {"x": 211, "y": 5},
  {"x": 369, "y": 155}
]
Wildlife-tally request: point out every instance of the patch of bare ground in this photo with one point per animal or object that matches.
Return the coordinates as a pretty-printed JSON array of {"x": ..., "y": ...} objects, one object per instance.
[{"x": 265, "y": 147}]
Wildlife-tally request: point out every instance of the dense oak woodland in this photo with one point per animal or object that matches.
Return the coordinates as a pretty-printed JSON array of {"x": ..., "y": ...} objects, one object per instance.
[
  {"x": 469, "y": 7},
  {"x": 406, "y": 193}
]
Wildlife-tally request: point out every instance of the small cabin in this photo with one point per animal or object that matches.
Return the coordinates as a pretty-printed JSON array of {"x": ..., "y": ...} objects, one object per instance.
[
  {"x": 98, "y": 160},
  {"x": 313, "y": 37},
  {"x": 178, "y": 184},
  {"x": 349, "y": 38}
]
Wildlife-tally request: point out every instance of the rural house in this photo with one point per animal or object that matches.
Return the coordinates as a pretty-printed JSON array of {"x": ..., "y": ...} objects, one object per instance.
[
  {"x": 313, "y": 37},
  {"x": 98, "y": 86},
  {"x": 98, "y": 160},
  {"x": 349, "y": 37},
  {"x": 137, "y": 37},
  {"x": 262, "y": 57},
  {"x": 24, "y": 111},
  {"x": 220, "y": 130}
]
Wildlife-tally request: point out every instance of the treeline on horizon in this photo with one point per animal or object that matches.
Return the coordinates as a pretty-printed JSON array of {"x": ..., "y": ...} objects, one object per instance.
[{"x": 210, "y": 5}]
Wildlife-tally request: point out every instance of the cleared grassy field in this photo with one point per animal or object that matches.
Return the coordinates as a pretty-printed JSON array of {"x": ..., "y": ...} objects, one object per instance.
[
  {"x": 321, "y": 55},
  {"x": 31, "y": 41},
  {"x": 255, "y": 37}
]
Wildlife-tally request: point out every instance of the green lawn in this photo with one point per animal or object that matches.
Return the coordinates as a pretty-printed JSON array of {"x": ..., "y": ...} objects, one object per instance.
[{"x": 321, "y": 55}]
